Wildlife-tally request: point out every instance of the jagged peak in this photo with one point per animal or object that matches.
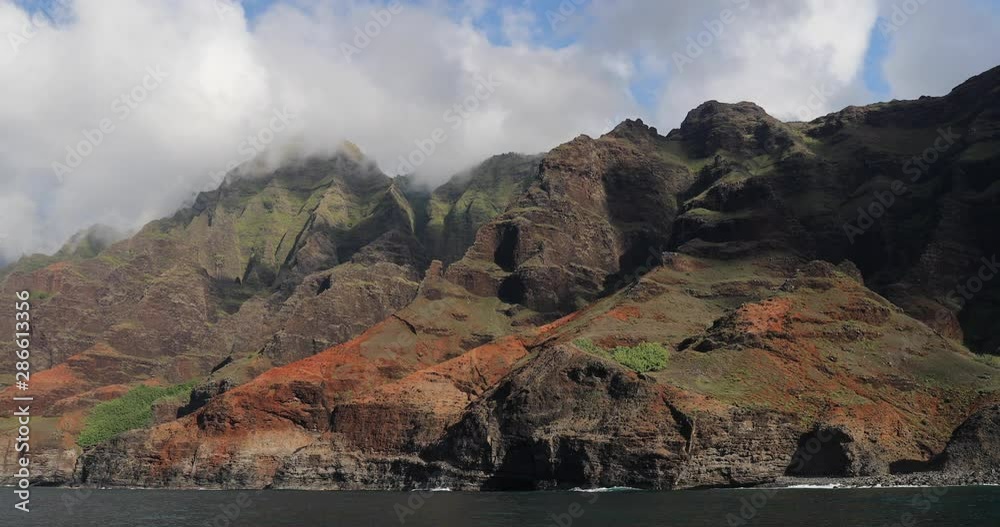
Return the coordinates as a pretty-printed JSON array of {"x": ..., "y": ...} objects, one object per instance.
[
  {"x": 742, "y": 127},
  {"x": 351, "y": 150},
  {"x": 92, "y": 240},
  {"x": 629, "y": 127},
  {"x": 633, "y": 130},
  {"x": 711, "y": 110}
]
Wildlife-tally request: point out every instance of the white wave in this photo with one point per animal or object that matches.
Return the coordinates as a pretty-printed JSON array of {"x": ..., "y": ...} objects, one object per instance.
[{"x": 605, "y": 489}]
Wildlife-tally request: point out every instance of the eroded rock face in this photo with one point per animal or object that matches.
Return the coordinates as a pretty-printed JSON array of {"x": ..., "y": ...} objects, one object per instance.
[
  {"x": 261, "y": 272},
  {"x": 792, "y": 349},
  {"x": 834, "y": 451},
  {"x": 197, "y": 287},
  {"x": 461, "y": 206},
  {"x": 897, "y": 188},
  {"x": 570, "y": 419},
  {"x": 743, "y": 128},
  {"x": 602, "y": 208},
  {"x": 976, "y": 444},
  {"x": 811, "y": 375},
  {"x": 385, "y": 393}
]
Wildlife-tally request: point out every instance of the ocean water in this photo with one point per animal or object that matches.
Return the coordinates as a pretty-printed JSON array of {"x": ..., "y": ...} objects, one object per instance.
[{"x": 896, "y": 507}]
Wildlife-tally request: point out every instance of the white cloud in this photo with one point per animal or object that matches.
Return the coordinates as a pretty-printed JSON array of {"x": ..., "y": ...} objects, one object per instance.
[
  {"x": 16, "y": 234},
  {"x": 775, "y": 53},
  {"x": 938, "y": 45}
]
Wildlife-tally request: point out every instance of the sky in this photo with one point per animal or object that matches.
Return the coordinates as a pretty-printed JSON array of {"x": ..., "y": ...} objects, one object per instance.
[{"x": 119, "y": 111}]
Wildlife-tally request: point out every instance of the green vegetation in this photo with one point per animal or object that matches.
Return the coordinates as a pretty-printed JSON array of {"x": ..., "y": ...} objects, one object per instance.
[
  {"x": 989, "y": 360},
  {"x": 712, "y": 215},
  {"x": 162, "y": 229},
  {"x": 589, "y": 346},
  {"x": 400, "y": 200},
  {"x": 83, "y": 245},
  {"x": 112, "y": 259},
  {"x": 981, "y": 151},
  {"x": 232, "y": 296},
  {"x": 674, "y": 152},
  {"x": 646, "y": 356},
  {"x": 761, "y": 165},
  {"x": 471, "y": 199},
  {"x": 130, "y": 411},
  {"x": 42, "y": 295},
  {"x": 275, "y": 214},
  {"x": 28, "y": 264}
]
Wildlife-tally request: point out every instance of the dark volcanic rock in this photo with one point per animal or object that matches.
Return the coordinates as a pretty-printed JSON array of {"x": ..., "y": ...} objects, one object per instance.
[
  {"x": 743, "y": 128},
  {"x": 975, "y": 445},
  {"x": 569, "y": 419}
]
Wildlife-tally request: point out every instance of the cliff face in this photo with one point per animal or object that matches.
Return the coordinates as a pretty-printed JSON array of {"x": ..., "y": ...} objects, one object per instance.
[
  {"x": 799, "y": 372},
  {"x": 599, "y": 210},
  {"x": 458, "y": 208},
  {"x": 737, "y": 301},
  {"x": 216, "y": 277},
  {"x": 263, "y": 271},
  {"x": 976, "y": 443},
  {"x": 901, "y": 189},
  {"x": 417, "y": 368}
]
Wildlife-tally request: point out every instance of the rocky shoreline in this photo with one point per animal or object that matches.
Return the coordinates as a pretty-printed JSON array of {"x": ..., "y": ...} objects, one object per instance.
[
  {"x": 986, "y": 478},
  {"x": 989, "y": 477}
]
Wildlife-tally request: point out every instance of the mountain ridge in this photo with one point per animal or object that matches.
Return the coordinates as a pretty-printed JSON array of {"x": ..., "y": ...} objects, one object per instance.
[{"x": 440, "y": 372}]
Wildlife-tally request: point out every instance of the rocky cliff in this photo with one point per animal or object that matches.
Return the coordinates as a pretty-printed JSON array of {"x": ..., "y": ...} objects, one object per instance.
[{"x": 739, "y": 301}]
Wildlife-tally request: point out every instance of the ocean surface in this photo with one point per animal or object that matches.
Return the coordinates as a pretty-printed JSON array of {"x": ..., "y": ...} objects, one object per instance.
[{"x": 938, "y": 507}]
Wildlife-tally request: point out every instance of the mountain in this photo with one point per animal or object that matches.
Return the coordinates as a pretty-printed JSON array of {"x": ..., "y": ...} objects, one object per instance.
[
  {"x": 260, "y": 272},
  {"x": 86, "y": 243},
  {"x": 739, "y": 301}
]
